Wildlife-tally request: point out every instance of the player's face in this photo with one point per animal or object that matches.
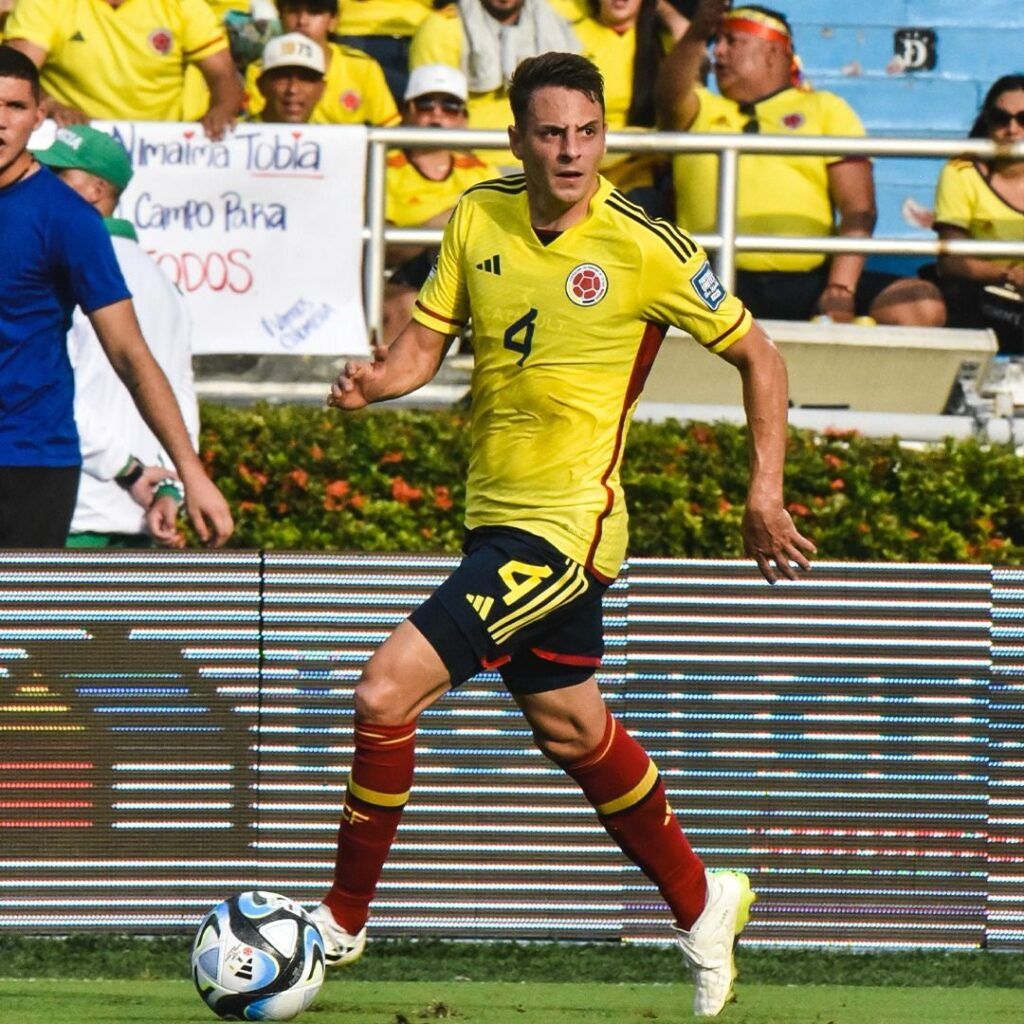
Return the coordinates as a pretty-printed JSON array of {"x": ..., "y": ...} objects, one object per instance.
[
  {"x": 291, "y": 94},
  {"x": 620, "y": 14},
  {"x": 20, "y": 115},
  {"x": 561, "y": 145},
  {"x": 310, "y": 21}
]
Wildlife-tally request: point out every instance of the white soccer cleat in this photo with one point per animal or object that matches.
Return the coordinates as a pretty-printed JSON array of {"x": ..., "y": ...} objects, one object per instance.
[
  {"x": 707, "y": 947},
  {"x": 340, "y": 948}
]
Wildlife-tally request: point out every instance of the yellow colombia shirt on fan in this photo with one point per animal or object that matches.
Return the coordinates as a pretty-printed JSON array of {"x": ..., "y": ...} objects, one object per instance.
[
  {"x": 778, "y": 194},
  {"x": 564, "y": 335},
  {"x": 118, "y": 62}
]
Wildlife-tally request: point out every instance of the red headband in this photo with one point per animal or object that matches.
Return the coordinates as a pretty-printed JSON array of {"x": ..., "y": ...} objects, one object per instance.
[{"x": 757, "y": 28}]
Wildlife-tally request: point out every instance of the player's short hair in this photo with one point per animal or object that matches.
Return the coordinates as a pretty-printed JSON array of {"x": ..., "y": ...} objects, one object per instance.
[
  {"x": 567, "y": 70},
  {"x": 14, "y": 64}
]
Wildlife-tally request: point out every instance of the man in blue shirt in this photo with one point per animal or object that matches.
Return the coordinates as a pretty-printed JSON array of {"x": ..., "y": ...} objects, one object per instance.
[{"x": 56, "y": 255}]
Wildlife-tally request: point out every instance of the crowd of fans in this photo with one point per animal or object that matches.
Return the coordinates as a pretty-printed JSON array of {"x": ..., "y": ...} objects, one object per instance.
[
  {"x": 448, "y": 65},
  {"x": 218, "y": 60}
]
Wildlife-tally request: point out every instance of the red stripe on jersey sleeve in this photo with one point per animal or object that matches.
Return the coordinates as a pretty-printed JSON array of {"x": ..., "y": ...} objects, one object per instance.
[
  {"x": 725, "y": 334},
  {"x": 221, "y": 38},
  {"x": 438, "y": 316}
]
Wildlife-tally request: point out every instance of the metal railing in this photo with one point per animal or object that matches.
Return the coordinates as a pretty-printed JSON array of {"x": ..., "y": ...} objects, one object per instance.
[{"x": 725, "y": 242}]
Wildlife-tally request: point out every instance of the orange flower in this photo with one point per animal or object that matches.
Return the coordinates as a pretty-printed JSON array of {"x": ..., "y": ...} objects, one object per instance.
[
  {"x": 357, "y": 500},
  {"x": 299, "y": 477},
  {"x": 403, "y": 492},
  {"x": 335, "y": 494},
  {"x": 253, "y": 477},
  {"x": 832, "y": 461},
  {"x": 316, "y": 452},
  {"x": 389, "y": 457},
  {"x": 442, "y": 497},
  {"x": 797, "y": 509},
  {"x": 838, "y": 484},
  {"x": 724, "y": 504}
]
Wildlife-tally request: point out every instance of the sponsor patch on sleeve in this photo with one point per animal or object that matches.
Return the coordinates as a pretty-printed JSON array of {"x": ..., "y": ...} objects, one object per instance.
[{"x": 707, "y": 286}]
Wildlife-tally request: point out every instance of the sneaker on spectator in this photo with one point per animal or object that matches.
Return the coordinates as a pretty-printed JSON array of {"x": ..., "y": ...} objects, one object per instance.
[
  {"x": 707, "y": 947},
  {"x": 340, "y": 948}
]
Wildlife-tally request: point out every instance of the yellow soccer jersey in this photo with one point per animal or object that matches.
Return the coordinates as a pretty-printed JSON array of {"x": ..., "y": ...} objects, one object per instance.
[
  {"x": 965, "y": 199},
  {"x": 778, "y": 194},
  {"x": 119, "y": 62},
  {"x": 413, "y": 199},
  {"x": 355, "y": 90},
  {"x": 564, "y": 336},
  {"x": 439, "y": 40},
  {"x": 381, "y": 17}
]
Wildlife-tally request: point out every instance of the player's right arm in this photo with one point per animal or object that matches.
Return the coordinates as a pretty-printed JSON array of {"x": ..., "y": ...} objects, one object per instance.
[{"x": 412, "y": 359}]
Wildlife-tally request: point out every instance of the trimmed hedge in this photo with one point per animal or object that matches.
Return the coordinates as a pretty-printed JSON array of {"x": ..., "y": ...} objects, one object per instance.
[{"x": 307, "y": 479}]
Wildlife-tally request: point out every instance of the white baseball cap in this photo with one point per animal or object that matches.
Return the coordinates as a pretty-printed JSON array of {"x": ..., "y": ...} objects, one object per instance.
[
  {"x": 436, "y": 78},
  {"x": 293, "y": 50}
]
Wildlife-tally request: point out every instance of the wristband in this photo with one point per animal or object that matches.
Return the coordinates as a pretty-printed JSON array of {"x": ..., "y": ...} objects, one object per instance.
[
  {"x": 127, "y": 479},
  {"x": 169, "y": 488}
]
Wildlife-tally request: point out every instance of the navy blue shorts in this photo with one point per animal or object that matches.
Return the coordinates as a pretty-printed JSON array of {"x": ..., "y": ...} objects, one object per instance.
[{"x": 518, "y": 605}]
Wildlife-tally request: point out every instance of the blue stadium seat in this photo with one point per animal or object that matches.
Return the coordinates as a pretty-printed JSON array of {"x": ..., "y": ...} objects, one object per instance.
[{"x": 912, "y": 105}]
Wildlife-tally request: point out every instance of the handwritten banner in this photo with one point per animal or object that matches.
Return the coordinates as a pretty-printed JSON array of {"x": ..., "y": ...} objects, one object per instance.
[{"x": 261, "y": 232}]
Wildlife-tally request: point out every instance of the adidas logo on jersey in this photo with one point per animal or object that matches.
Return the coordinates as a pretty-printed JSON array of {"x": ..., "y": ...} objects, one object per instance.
[
  {"x": 481, "y": 605},
  {"x": 491, "y": 265}
]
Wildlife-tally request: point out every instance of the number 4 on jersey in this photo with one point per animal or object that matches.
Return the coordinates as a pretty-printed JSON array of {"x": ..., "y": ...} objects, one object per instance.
[{"x": 523, "y": 326}]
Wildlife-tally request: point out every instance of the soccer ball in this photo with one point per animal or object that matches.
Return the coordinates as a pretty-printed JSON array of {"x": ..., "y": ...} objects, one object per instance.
[{"x": 258, "y": 956}]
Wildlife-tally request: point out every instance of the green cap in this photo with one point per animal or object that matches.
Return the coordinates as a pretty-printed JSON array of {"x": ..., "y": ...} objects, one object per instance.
[{"x": 88, "y": 149}]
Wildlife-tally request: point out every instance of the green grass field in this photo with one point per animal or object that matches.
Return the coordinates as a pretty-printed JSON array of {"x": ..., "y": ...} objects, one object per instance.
[
  {"x": 395, "y": 1002},
  {"x": 116, "y": 979}
]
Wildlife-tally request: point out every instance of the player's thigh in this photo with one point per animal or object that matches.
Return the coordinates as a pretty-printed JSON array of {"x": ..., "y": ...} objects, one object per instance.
[
  {"x": 567, "y": 723},
  {"x": 403, "y": 677}
]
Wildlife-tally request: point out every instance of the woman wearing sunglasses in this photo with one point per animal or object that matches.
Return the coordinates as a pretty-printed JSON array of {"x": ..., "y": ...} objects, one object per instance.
[{"x": 984, "y": 199}]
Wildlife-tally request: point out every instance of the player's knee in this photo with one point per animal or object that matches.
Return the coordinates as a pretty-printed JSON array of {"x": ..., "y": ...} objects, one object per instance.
[
  {"x": 379, "y": 698},
  {"x": 565, "y": 741}
]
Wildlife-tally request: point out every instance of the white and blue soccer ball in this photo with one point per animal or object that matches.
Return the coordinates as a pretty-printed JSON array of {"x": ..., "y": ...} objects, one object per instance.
[{"x": 258, "y": 956}]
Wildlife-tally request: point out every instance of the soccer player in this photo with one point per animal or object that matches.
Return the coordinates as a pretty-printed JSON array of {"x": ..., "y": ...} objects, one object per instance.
[
  {"x": 571, "y": 289},
  {"x": 57, "y": 255}
]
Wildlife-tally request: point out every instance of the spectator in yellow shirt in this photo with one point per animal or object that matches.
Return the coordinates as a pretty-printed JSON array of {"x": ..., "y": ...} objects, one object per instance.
[
  {"x": 384, "y": 29},
  {"x": 984, "y": 200},
  {"x": 423, "y": 185},
  {"x": 761, "y": 92},
  {"x": 292, "y": 80},
  {"x": 355, "y": 91},
  {"x": 126, "y": 59}
]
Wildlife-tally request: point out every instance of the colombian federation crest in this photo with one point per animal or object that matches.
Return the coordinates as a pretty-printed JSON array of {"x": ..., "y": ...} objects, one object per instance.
[
  {"x": 162, "y": 41},
  {"x": 586, "y": 284}
]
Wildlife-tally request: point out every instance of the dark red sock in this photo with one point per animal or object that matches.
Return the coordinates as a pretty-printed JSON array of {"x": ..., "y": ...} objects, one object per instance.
[
  {"x": 378, "y": 788},
  {"x": 624, "y": 786}
]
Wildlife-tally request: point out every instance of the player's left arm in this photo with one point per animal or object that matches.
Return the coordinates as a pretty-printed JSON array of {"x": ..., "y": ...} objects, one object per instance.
[
  {"x": 769, "y": 535},
  {"x": 118, "y": 331},
  {"x": 226, "y": 95}
]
